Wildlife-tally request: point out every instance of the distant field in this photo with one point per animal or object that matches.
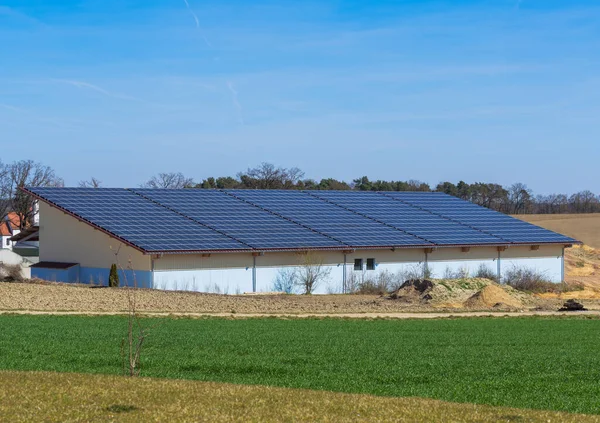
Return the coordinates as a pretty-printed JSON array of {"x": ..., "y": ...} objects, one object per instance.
[
  {"x": 537, "y": 363},
  {"x": 27, "y": 397},
  {"x": 583, "y": 227}
]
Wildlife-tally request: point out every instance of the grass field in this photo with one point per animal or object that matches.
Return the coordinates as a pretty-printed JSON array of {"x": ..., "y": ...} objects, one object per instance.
[
  {"x": 98, "y": 398},
  {"x": 549, "y": 364},
  {"x": 583, "y": 227}
]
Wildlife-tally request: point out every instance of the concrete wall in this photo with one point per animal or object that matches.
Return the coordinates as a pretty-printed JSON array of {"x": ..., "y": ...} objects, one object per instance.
[{"x": 232, "y": 273}]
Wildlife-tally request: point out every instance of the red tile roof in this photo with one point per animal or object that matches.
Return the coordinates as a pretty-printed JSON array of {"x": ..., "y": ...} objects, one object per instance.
[{"x": 10, "y": 223}]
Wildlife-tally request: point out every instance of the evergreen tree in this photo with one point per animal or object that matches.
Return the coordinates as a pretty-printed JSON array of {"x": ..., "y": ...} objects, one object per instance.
[{"x": 113, "y": 277}]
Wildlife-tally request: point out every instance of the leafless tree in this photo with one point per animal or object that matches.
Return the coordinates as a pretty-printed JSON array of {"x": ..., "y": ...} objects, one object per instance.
[
  {"x": 131, "y": 345},
  {"x": 268, "y": 176},
  {"x": 311, "y": 272},
  {"x": 172, "y": 180},
  {"x": 92, "y": 183},
  {"x": 286, "y": 280},
  {"x": 519, "y": 199},
  {"x": 5, "y": 191},
  {"x": 19, "y": 174},
  {"x": 584, "y": 202}
]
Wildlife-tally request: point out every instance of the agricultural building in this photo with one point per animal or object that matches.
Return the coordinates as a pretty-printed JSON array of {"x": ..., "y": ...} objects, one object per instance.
[{"x": 236, "y": 241}]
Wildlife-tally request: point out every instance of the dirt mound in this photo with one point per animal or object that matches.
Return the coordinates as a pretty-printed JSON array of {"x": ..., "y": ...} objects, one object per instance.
[
  {"x": 493, "y": 296},
  {"x": 413, "y": 290},
  {"x": 476, "y": 293}
]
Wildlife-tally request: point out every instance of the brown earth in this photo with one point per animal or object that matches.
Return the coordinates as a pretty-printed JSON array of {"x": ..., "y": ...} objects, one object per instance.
[
  {"x": 493, "y": 296},
  {"x": 583, "y": 227},
  {"x": 442, "y": 297},
  {"x": 582, "y": 263}
]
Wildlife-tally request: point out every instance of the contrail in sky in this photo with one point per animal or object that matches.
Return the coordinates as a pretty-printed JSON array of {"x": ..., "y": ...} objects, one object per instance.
[
  {"x": 87, "y": 85},
  {"x": 197, "y": 21},
  {"x": 234, "y": 99}
]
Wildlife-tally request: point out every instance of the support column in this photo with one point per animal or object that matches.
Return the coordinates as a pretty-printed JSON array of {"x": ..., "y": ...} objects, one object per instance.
[
  {"x": 562, "y": 266},
  {"x": 498, "y": 268},
  {"x": 344, "y": 287},
  {"x": 253, "y": 273},
  {"x": 499, "y": 264},
  {"x": 426, "y": 272}
]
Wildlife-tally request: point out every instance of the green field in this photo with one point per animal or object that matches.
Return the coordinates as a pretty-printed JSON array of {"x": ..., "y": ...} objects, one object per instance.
[{"x": 539, "y": 363}]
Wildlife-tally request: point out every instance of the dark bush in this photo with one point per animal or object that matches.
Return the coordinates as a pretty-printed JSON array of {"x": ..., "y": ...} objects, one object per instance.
[{"x": 113, "y": 277}]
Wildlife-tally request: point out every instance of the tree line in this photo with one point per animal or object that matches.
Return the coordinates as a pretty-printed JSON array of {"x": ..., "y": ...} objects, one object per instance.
[{"x": 514, "y": 199}]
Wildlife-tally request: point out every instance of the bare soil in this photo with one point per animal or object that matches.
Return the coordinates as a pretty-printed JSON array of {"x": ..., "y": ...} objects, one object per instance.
[{"x": 444, "y": 297}]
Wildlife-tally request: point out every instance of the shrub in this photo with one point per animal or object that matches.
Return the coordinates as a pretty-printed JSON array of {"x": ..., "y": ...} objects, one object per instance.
[
  {"x": 530, "y": 280},
  {"x": 485, "y": 272},
  {"x": 113, "y": 277},
  {"x": 462, "y": 273},
  {"x": 285, "y": 281}
]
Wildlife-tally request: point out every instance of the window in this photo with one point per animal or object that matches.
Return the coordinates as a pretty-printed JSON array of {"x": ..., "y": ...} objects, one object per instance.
[
  {"x": 358, "y": 264},
  {"x": 8, "y": 241},
  {"x": 371, "y": 264}
]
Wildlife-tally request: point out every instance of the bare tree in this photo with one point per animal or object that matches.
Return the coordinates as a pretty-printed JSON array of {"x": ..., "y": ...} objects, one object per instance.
[
  {"x": 170, "y": 180},
  {"x": 311, "y": 273},
  {"x": 519, "y": 198},
  {"x": 286, "y": 280},
  {"x": 92, "y": 183},
  {"x": 24, "y": 173},
  {"x": 268, "y": 176},
  {"x": 5, "y": 191}
]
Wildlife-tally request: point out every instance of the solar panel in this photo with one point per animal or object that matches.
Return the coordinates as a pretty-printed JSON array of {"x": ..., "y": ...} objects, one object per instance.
[
  {"x": 481, "y": 218},
  {"x": 417, "y": 222},
  {"x": 345, "y": 226},
  {"x": 243, "y": 220},
  {"x": 128, "y": 216},
  {"x": 240, "y": 220}
]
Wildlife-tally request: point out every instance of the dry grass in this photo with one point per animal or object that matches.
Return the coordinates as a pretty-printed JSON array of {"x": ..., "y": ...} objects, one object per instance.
[
  {"x": 583, "y": 227},
  {"x": 41, "y": 396}
]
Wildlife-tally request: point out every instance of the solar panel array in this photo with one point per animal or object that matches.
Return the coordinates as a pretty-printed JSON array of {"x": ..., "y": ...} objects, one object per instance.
[
  {"x": 429, "y": 226},
  {"x": 140, "y": 222},
  {"x": 240, "y": 220},
  {"x": 328, "y": 219},
  {"x": 480, "y": 218},
  {"x": 195, "y": 220}
]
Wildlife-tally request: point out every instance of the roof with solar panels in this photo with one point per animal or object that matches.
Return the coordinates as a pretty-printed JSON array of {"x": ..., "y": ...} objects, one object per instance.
[{"x": 202, "y": 220}]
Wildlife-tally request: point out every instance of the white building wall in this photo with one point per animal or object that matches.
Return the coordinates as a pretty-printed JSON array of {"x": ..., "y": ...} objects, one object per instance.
[
  {"x": 232, "y": 273},
  {"x": 63, "y": 238},
  {"x": 547, "y": 261}
]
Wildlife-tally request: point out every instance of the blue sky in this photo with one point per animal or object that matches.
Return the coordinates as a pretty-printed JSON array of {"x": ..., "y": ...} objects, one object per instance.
[{"x": 496, "y": 90}]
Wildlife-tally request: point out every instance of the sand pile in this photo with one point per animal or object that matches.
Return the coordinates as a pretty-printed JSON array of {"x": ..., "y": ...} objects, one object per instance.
[
  {"x": 493, "y": 296},
  {"x": 475, "y": 294}
]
